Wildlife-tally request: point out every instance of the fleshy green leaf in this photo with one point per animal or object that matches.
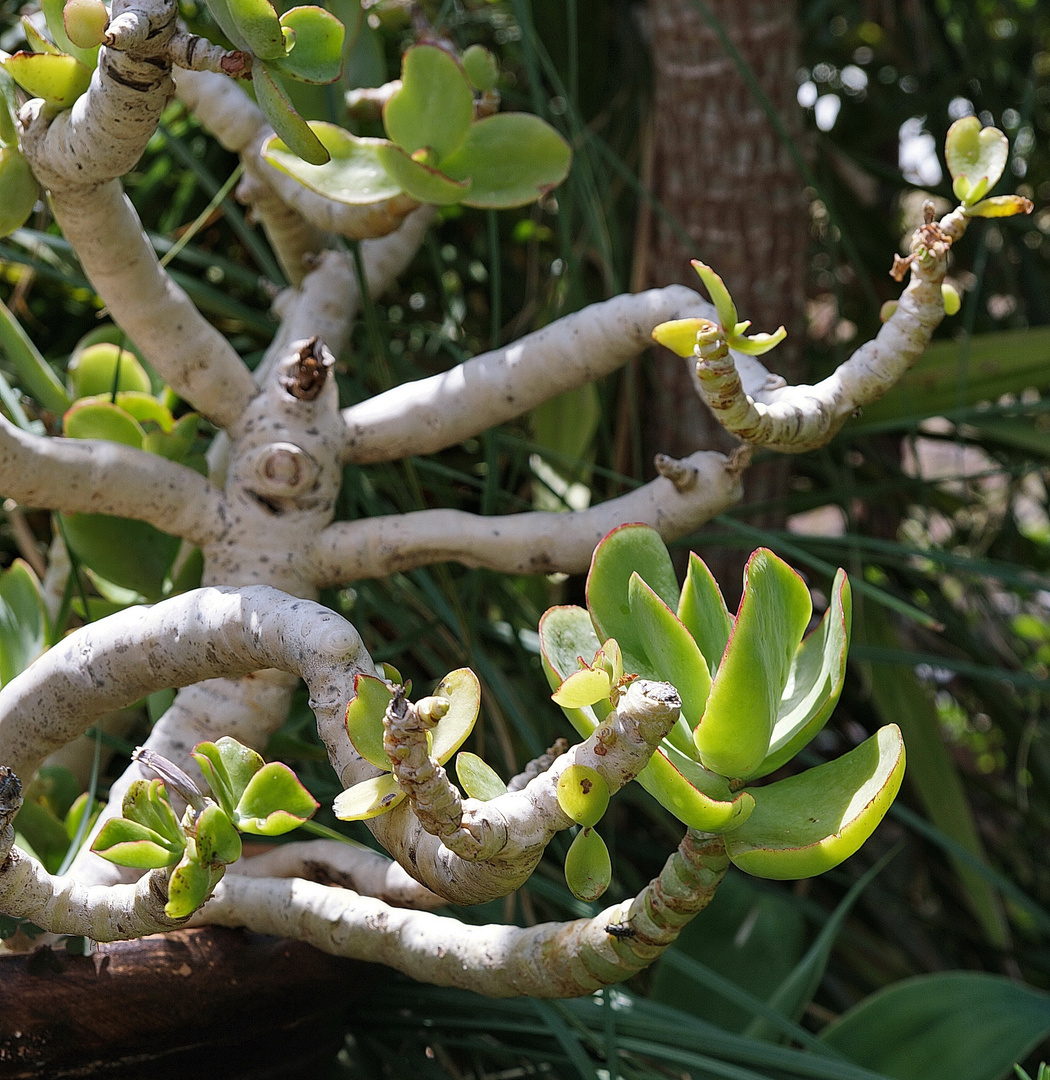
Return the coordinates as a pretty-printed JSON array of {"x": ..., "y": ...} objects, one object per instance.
[
  {"x": 53, "y": 14},
  {"x": 175, "y": 443},
  {"x": 23, "y": 620},
  {"x": 477, "y": 778},
  {"x": 220, "y": 12},
  {"x": 228, "y": 766},
  {"x": 624, "y": 551},
  {"x": 951, "y": 299},
  {"x": 364, "y": 719},
  {"x": 317, "y": 56},
  {"x": 19, "y": 190},
  {"x": 585, "y": 687},
  {"x": 274, "y": 802},
  {"x": 734, "y": 735},
  {"x": 815, "y": 684},
  {"x": 588, "y": 868},
  {"x": 481, "y": 67},
  {"x": 127, "y": 843},
  {"x": 583, "y": 794},
  {"x": 368, "y": 799},
  {"x": 96, "y": 418},
  {"x": 93, "y": 368},
  {"x": 189, "y": 886},
  {"x": 434, "y": 107},
  {"x": 57, "y": 78},
  {"x": 146, "y": 803},
  {"x": 679, "y": 335},
  {"x": 704, "y": 612},
  {"x": 809, "y": 823},
  {"x": 291, "y": 128},
  {"x": 463, "y": 692},
  {"x": 354, "y": 174},
  {"x": 218, "y": 843},
  {"x": 953, "y": 1025},
  {"x": 671, "y": 649},
  {"x": 510, "y": 159},
  {"x": 258, "y": 26},
  {"x": 127, "y": 553},
  {"x": 976, "y": 158},
  {"x": 36, "y": 41},
  {"x": 1001, "y": 206},
  {"x": 422, "y": 181},
  {"x": 566, "y": 633},
  {"x": 666, "y": 780},
  {"x": 719, "y": 294},
  {"x": 757, "y": 344}
]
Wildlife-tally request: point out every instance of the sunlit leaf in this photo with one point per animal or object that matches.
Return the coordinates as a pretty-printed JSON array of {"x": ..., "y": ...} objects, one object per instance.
[
  {"x": 976, "y": 158},
  {"x": 583, "y": 794},
  {"x": 671, "y": 649},
  {"x": 477, "y": 778},
  {"x": 1001, "y": 206},
  {"x": 624, "y": 551},
  {"x": 704, "y": 613},
  {"x": 228, "y": 767},
  {"x": 566, "y": 633},
  {"x": 364, "y": 719},
  {"x": 584, "y": 687},
  {"x": 19, "y": 190},
  {"x": 23, "y": 620},
  {"x": 463, "y": 693},
  {"x": 757, "y": 344},
  {"x": 274, "y": 802},
  {"x": 189, "y": 886},
  {"x": 811, "y": 822},
  {"x": 719, "y": 294},
  {"x": 679, "y": 335},
  {"x": 733, "y": 736},
  {"x": 218, "y": 843},
  {"x": 93, "y": 368},
  {"x": 353, "y": 175},
  {"x": 678, "y": 786},
  {"x": 368, "y": 799},
  {"x": 818, "y": 674},
  {"x": 127, "y": 843},
  {"x": 57, "y": 78}
]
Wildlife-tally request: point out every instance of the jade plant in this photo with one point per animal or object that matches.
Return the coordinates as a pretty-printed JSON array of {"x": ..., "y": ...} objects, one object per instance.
[
  {"x": 262, "y": 517},
  {"x": 755, "y": 691}
]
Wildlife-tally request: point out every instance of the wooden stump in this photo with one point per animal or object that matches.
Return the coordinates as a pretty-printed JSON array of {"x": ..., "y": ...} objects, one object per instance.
[{"x": 204, "y": 1002}]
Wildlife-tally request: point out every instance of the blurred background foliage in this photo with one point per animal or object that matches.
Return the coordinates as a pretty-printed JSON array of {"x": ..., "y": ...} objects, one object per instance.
[{"x": 935, "y": 501}]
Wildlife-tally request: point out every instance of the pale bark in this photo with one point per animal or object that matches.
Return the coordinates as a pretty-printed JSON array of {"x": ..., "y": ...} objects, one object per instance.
[
  {"x": 537, "y": 542},
  {"x": 550, "y": 960},
  {"x": 794, "y": 419},
  {"x": 430, "y": 414},
  {"x": 90, "y": 476}
]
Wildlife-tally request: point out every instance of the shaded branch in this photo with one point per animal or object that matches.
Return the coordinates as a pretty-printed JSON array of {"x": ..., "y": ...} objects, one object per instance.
[
  {"x": 95, "y": 477},
  {"x": 534, "y": 542}
]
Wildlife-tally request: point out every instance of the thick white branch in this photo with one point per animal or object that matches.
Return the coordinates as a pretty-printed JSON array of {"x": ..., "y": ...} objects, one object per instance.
[
  {"x": 549, "y": 960},
  {"x": 192, "y": 357},
  {"x": 94, "y": 477},
  {"x": 196, "y": 635},
  {"x": 331, "y": 862},
  {"x": 236, "y": 121},
  {"x": 535, "y": 542},
  {"x": 427, "y": 415},
  {"x": 795, "y": 419}
]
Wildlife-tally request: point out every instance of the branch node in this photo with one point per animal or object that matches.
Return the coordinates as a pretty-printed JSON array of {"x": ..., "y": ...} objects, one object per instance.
[
  {"x": 307, "y": 378},
  {"x": 681, "y": 474},
  {"x": 739, "y": 459}
]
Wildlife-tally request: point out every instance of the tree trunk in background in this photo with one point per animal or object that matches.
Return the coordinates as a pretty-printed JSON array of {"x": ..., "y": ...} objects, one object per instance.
[{"x": 720, "y": 168}]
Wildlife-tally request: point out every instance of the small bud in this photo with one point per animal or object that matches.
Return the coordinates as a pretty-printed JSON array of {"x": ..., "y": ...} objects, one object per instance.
[
  {"x": 432, "y": 709},
  {"x": 85, "y": 22}
]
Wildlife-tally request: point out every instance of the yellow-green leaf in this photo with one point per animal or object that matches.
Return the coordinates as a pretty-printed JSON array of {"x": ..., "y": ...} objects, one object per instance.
[{"x": 368, "y": 799}]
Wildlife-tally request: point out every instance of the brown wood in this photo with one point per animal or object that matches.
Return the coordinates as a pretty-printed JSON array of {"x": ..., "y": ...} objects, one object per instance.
[
  {"x": 203, "y": 1002},
  {"x": 721, "y": 169}
]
